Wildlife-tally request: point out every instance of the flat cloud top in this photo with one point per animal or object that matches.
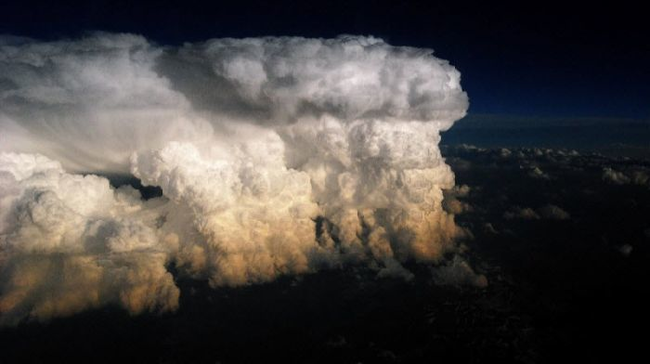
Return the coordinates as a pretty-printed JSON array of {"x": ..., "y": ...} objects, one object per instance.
[{"x": 91, "y": 102}]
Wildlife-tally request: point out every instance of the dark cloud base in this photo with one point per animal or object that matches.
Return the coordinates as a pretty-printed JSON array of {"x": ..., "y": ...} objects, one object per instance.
[{"x": 566, "y": 285}]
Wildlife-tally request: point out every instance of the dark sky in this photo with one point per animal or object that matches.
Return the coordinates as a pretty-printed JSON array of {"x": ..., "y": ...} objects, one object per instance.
[{"x": 526, "y": 59}]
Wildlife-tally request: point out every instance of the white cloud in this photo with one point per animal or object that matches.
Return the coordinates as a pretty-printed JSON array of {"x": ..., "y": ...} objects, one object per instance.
[
  {"x": 69, "y": 242},
  {"x": 249, "y": 139}
]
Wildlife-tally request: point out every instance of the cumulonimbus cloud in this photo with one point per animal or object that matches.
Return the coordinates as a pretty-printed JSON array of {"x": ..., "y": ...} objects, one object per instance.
[{"x": 254, "y": 143}]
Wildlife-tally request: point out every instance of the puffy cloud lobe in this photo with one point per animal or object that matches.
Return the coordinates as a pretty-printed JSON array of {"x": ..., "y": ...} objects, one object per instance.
[
  {"x": 525, "y": 213},
  {"x": 108, "y": 95},
  {"x": 70, "y": 242},
  {"x": 255, "y": 221},
  {"x": 615, "y": 177},
  {"x": 383, "y": 177},
  {"x": 253, "y": 141},
  {"x": 636, "y": 177},
  {"x": 554, "y": 213},
  {"x": 535, "y": 172},
  {"x": 452, "y": 204},
  {"x": 458, "y": 272},
  {"x": 551, "y": 212},
  {"x": 89, "y": 103},
  {"x": 280, "y": 80}
]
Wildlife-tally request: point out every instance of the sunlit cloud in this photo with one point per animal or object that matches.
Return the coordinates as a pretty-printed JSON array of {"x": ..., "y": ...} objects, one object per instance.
[{"x": 251, "y": 141}]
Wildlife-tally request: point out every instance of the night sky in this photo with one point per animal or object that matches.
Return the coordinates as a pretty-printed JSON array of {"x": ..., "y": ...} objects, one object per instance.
[{"x": 544, "y": 60}]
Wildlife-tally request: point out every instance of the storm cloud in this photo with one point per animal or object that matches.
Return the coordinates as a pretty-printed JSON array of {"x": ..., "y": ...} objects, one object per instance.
[{"x": 254, "y": 142}]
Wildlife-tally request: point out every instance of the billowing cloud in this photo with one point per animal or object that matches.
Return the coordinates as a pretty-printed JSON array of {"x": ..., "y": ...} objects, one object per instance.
[
  {"x": 254, "y": 142},
  {"x": 458, "y": 272},
  {"x": 553, "y": 212},
  {"x": 632, "y": 176},
  {"x": 452, "y": 204},
  {"x": 615, "y": 177},
  {"x": 70, "y": 242},
  {"x": 535, "y": 172},
  {"x": 525, "y": 213}
]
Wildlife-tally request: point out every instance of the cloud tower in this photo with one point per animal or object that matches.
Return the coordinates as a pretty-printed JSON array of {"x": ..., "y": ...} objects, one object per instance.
[{"x": 275, "y": 156}]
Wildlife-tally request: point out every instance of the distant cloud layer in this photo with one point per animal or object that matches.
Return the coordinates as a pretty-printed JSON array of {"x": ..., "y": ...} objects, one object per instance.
[{"x": 251, "y": 140}]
